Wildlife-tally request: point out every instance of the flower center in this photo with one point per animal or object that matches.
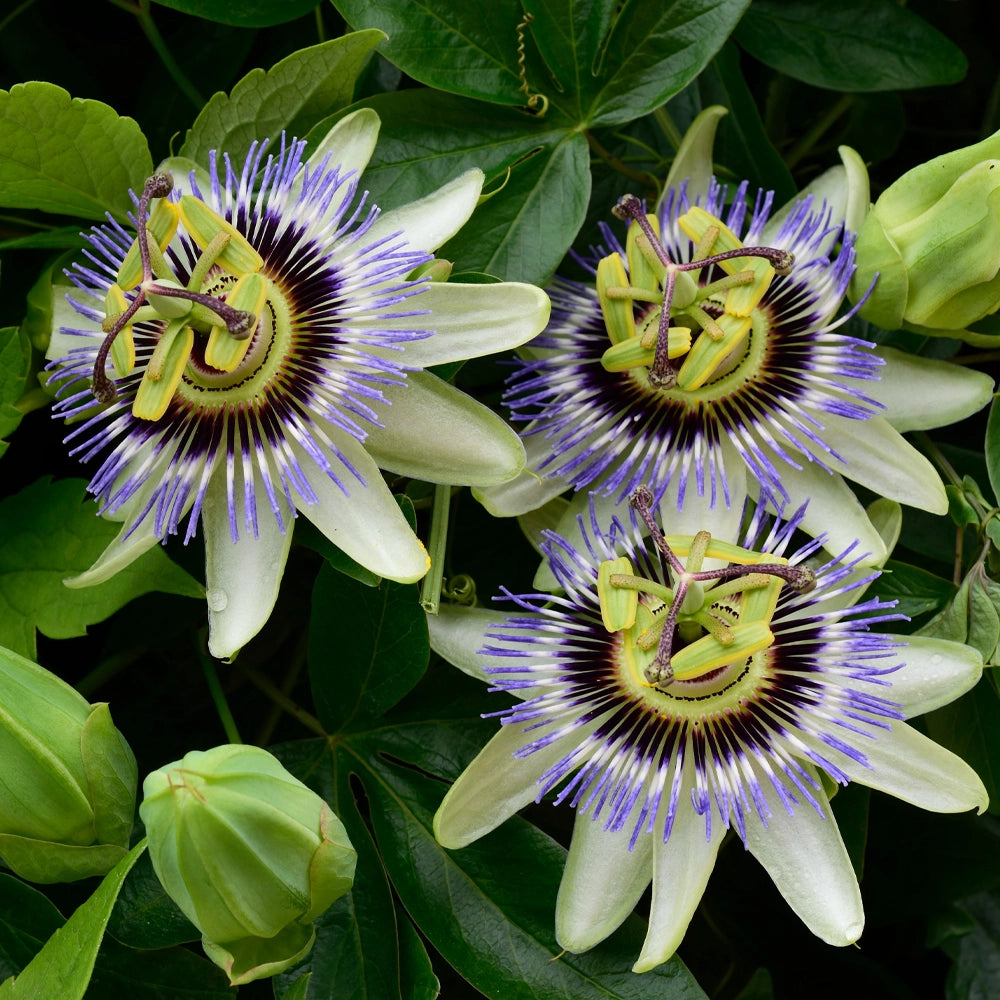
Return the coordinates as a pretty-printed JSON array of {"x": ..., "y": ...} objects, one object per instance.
[
  {"x": 207, "y": 324},
  {"x": 704, "y": 623},
  {"x": 659, "y": 310}
]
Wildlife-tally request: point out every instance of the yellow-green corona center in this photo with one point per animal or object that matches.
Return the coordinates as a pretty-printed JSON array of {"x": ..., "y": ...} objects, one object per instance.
[
  {"x": 657, "y": 311},
  {"x": 216, "y": 328}
]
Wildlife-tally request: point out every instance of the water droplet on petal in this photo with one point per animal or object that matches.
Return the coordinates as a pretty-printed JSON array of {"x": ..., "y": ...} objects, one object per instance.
[{"x": 218, "y": 600}]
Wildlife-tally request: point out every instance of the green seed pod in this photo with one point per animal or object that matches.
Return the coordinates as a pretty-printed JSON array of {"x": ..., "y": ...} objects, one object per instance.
[
  {"x": 933, "y": 239},
  {"x": 249, "y": 854},
  {"x": 67, "y": 778}
]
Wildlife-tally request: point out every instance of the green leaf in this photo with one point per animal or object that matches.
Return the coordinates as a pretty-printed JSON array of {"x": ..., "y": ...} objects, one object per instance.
[
  {"x": 377, "y": 638},
  {"x": 63, "y": 967},
  {"x": 451, "y": 45},
  {"x": 297, "y": 991},
  {"x": 15, "y": 362},
  {"x": 654, "y": 50},
  {"x": 992, "y": 448},
  {"x": 916, "y": 590},
  {"x": 852, "y": 45},
  {"x": 50, "y": 533},
  {"x": 493, "y": 920},
  {"x": 291, "y": 97},
  {"x": 984, "y": 615},
  {"x": 63, "y": 154},
  {"x": 243, "y": 13},
  {"x": 63, "y": 238}
]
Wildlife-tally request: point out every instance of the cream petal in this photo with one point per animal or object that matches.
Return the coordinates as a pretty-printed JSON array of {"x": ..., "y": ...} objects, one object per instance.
[
  {"x": 496, "y": 785},
  {"x": 457, "y": 634},
  {"x": 437, "y": 433},
  {"x": 601, "y": 883},
  {"x": 805, "y": 856},
  {"x": 469, "y": 321},
  {"x": 834, "y": 511},
  {"x": 935, "y": 673},
  {"x": 349, "y": 144},
  {"x": 241, "y": 577},
  {"x": 950, "y": 392},
  {"x": 367, "y": 523},
  {"x": 908, "y": 765},
  {"x": 681, "y": 869},
  {"x": 429, "y": 222},
  {"x": 877, "y": 456}
]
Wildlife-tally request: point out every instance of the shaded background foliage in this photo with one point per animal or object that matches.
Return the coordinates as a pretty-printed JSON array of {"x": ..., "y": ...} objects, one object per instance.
[{"x": 341, "y": 682}]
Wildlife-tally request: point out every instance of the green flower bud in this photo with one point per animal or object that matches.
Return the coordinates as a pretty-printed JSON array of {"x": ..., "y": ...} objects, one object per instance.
[
  {"x": 249, "y": 853},
  {"x": 933, "y": 238},
  {"x": 67, "y": 778}
]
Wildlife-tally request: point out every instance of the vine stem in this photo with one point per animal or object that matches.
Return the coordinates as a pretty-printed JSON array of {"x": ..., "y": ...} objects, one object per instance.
[
  {"x": 430, "y": 590},
  {"x": 215, "y": 690},
  {"x": 264, "y": 683},
  {"x": 616, "y": 163}
]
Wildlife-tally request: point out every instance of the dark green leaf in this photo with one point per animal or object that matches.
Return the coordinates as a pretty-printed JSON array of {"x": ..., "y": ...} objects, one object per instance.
[
  {"x": 62, "y": 154},
  {"x": 367, "y": 647},
  {"x": 758, "y": 987},
  {"x": 451, "y": 45},
  {"x": 852, "y": 45},
  {"x": 50, "y": 533},
  {"x": 916, "y": 590},
  {"x": 297, "y": 991},
  {"x": 27, "y": 920},
  {"x": 489, "y": 908},
  {"x": 66, "y": 237},
  {"x": 291, "y": 97},
  {"x": 741, "y": 143},
  {"x": 522, "y": 232},
  {"x": 654, "y": 50},
  {"x": 970, "y": 727},
  {"x": 306, "y": 533},
  {"x": 992, "y": 448},
  {"x": 417, "y": 977},
  {"x": 850, "y": 806},
  {"x": 244, "y": 13},
  {"x": 164, "y": 974},
  {"x": 145, "y": 916},
  {"x": 976, "y": 972},
  {"x": 15, "y": 360}
]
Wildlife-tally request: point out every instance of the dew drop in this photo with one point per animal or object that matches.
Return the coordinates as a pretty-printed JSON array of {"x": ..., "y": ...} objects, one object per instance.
[{"x": 217, "y": 600}]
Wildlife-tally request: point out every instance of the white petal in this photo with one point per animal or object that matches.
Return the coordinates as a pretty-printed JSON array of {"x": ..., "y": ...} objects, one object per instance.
[
  {"x": 65, "y": 315},
  {"x": 181, "y": 168},
  {"x": 120, "y": 553},
  {"x": 877, "y": 456},
  {"x": 912, "y": 767},
  {"x": 529, "y": 490},
  {"x": 469, "y": 321},
  {"x": 367, "y": 524},
  {"x": 457, "y": 634},
  {"x": 681, "y": 869},
  {"x": 496, "y": 785},
  {"x": 545, "y": 518},
  {"x": 349, "y": 144},
  {"x": 805, "y": 856},
  {"x": 936, "y": 672},
  {"x": 833, "y": 510},
  {"x": 242, "y": 577},
  {"x": 582, "y": 509},
  {"x": 429, "y": 222},
  {"x": 919, "y": 393},
  {"x": 437, "y": 433},
  {"x": 602, "y": 882}
]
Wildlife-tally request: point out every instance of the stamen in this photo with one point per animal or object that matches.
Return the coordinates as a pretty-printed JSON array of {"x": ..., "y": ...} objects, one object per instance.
[{"x": 239, "y": 322}]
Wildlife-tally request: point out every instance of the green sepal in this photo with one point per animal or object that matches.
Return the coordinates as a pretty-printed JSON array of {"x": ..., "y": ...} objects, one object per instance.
[
  {"x": 617, "y": 312},
  {"x": 708, "y": 654},
  {"x": 618, "y": 604},
  {"x": 224, "y": 351},
  {"x": 123, "y": 346},
  {"x": 112, "y": 775},
  {"x": 45, "y": 862},
  {"x": 878, "y": 255},
  {"x": 253, "y": 958},
  {"x": 238, "y": 257},
  {"x": 161, "y": 226},
  {"x": 164, "y": 371},
  {"x": 707, "y": 354}
]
